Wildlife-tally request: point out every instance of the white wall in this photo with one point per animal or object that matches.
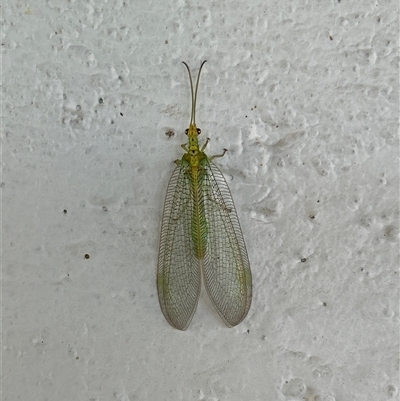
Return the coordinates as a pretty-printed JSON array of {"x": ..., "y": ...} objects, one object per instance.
[{"x": 304, "y": 94}]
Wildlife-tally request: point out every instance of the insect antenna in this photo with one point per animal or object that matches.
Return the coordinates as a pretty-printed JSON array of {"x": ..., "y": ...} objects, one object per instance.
[{"x": 194, "y": 94}]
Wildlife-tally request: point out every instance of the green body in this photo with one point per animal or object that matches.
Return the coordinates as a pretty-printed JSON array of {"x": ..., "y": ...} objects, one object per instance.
[{"x": 201, "y": 237}]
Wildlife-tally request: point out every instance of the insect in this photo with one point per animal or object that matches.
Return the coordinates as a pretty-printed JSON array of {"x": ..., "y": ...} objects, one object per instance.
[{"x": 201, "y": 238}]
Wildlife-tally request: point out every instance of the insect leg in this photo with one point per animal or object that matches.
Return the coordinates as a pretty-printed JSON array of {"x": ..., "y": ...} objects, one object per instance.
[
  {"x": 215, "y": 156},
  {"x": 204, "y": 146}
]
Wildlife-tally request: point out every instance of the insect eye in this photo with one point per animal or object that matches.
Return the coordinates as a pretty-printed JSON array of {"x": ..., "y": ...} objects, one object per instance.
[
  {"x": 186, "y": 131},
  {"x": 198, "y": 131}
]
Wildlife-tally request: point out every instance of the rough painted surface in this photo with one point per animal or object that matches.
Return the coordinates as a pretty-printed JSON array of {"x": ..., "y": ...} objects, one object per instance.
[{"x": 304, "y": 95}]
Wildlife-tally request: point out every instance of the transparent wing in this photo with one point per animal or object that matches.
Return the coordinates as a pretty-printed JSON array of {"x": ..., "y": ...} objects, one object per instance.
[
  {"x": 226, "y": 267},
  {"x": 178, "y": 273}
]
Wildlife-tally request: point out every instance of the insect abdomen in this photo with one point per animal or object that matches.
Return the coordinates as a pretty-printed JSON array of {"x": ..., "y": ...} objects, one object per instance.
[{"x": 199, "y": 223}]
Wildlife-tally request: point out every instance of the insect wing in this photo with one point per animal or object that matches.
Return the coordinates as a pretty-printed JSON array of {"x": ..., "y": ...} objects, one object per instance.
[
  {"x": 178, "y": 273},
  {"x": 226, "y": 267}
]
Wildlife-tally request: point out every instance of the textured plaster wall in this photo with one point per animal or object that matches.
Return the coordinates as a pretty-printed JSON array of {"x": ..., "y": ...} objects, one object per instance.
[{"x": 304, "y": 94}]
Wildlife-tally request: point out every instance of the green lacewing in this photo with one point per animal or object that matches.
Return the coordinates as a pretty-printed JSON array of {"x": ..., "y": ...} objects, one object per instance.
[{"x": 201, "y": 238}]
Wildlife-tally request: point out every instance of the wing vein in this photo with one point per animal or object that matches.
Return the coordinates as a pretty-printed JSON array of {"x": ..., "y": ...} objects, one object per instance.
[
  {"x": 226, "y": 267},
  {"x": 178, "y": 272}
]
